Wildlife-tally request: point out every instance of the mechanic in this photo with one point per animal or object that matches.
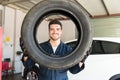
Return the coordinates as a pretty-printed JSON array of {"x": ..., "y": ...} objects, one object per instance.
[{"x": 54, "y": 46}]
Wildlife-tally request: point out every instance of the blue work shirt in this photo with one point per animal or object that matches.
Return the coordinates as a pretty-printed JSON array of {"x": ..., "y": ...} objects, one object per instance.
[{"x": 53, "y": 74}]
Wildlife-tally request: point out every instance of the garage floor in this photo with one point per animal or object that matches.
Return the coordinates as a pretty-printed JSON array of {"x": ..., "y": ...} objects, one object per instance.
[{"x": 13, "y": 77}]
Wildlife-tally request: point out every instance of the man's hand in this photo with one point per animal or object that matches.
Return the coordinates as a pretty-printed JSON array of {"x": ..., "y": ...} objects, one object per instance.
[
  {"x": 25, "y": 58},
  {"x": 80, "y": 64}
]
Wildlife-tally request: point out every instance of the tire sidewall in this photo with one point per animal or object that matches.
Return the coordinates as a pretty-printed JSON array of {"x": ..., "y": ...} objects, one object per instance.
[{"x": 115, "y": 77}]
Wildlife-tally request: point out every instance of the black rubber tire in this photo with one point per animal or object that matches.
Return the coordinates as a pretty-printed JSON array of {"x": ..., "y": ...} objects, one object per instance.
[
  {"x": 34, "y": 70},
  {"x": 115, "y": 77},
  {"x": 68, "y": 8}
]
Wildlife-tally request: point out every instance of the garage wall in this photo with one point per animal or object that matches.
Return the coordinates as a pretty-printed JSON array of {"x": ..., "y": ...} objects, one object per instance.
[
  {"x": 18, "y": 22},
  {"x": 8, "y": 44},
  {"x": 12, "y": 24},
  {"x": 106, "y": 27}
]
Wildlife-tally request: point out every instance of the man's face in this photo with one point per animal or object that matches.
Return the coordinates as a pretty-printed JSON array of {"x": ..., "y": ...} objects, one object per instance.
[{"x": 55, "y": 31}]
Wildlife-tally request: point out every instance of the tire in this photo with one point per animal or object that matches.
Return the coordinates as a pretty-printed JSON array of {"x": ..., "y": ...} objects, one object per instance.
[
  {"x": 38, "y": 13},
  {"x": 32, "y": 73},
  {"x": 115, "y": 77}
]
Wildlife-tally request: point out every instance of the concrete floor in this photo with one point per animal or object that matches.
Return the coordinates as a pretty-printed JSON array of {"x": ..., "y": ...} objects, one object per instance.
[{"x": 13, "y": 77}]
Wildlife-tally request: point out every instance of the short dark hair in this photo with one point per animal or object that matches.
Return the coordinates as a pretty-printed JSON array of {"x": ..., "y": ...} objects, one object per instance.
[{"x": 55, "y": 22}]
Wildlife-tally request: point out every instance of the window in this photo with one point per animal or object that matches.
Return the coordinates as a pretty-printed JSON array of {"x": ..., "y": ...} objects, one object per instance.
[
  {"x": 105, "y": 47},
  {"x": 101, "y": 47}
]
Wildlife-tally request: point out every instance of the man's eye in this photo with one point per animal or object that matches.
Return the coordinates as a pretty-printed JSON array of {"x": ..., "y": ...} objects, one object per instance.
[
  {"x": 51, "y": 29},
  {"x": 58, "y": 29}
]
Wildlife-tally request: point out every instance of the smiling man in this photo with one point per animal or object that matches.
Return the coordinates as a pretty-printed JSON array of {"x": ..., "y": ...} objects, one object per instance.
[{"x": 55, "y": 46}]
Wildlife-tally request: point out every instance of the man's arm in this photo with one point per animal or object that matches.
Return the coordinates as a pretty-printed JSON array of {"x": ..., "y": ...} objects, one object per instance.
[{"x": 79, "y": 67}]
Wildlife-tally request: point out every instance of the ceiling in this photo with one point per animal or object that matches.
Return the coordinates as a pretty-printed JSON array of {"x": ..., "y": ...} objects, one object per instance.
[{"x": 95, "y": 8}]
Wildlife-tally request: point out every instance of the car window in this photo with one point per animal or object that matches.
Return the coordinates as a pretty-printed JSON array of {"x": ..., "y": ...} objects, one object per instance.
[
  {"x": 105, "y": 47},
  {"x": 110, "y": 47},
  {"x": 97, "y": 47},
  {"x": 101, "y": 47}
]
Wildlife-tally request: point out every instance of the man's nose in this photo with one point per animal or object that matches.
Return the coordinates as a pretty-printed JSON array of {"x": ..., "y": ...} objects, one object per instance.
[{"x": 55, "y": 30}]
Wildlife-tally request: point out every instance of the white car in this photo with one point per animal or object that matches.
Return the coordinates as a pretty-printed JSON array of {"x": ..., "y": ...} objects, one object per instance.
[{"x": 103, "y": 63}]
